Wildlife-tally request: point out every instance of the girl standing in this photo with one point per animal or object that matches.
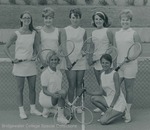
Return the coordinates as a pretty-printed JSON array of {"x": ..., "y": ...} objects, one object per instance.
[
  {"x": 104, "y": 37},
  {"x": 124, "y": 39},
  {"x": 25, "y": 47}
]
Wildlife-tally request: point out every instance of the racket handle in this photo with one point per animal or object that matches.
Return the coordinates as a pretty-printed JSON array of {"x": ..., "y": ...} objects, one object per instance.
[
  {"x": 117, "y": 68},
  {"x": 18, "y": 61},
  {"x": 76, "y": 99},
  {"x": 72, "y": 66},
  {"x": 42, "y": 67}
]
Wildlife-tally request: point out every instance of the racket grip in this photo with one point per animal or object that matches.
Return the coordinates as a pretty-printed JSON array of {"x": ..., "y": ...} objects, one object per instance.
[
  {"x": 72, "y": 66},
  {"x": 18, "y": 61},
  {"x": 42, "y": 67},
  {"x": 117, "y": 68},
  {"x": 83, "y": 90}
]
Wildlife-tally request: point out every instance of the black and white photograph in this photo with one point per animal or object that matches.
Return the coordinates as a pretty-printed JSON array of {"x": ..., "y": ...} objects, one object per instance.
[{"x": 75, "y": 64}]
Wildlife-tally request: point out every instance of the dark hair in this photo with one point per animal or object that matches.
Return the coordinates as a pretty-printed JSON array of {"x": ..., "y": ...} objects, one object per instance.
[
  {"x": 76, "y": 12},
  {"x": 101, "y": 15},
  {"x": 31, "y": 28},
  {"x": 106, "y": 57}
]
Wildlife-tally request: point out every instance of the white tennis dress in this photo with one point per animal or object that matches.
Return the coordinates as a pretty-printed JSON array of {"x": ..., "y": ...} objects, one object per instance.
[
  {"x": 24, "y": 50},
  {"x": 52, "y": 80},
  {"x": 109, "y": 87},
  {"x": 124, "y": 39},
  {"x": 76, "y": 35},
  {"x": 50, "y": 40},
  {"x": 101, "y": 45}
]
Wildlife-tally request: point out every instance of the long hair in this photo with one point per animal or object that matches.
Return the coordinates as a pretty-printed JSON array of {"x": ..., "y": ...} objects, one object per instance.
[{"x": 31, "y": 28}]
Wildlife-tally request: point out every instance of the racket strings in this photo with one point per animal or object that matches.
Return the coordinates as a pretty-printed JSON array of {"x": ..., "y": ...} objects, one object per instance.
[
  {"x": 113, "y": 52},
  {"x": 67, "y": 50},
  {"x": 134, "y": 51}
]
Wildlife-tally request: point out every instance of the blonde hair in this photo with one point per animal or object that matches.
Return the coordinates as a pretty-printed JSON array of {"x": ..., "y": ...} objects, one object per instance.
[
  {"x": 48, "y": 12},
  {"x": 126, "y": 12}
]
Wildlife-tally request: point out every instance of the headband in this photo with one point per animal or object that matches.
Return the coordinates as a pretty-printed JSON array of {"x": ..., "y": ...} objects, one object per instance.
[{"x": 101, "y": 14}]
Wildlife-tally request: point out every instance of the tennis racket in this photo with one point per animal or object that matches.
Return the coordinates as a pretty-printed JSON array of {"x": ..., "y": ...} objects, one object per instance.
[
  {"x": 44, "y": 54},
  {"x": 24, "y": 60},
  {"x": 133, "y": 53},
  {"x": 69, "y": 48},
  {"x": 85, "y": 116},
  {"x": 111, "y": 51},
  {"x": 87, "y": 49}
]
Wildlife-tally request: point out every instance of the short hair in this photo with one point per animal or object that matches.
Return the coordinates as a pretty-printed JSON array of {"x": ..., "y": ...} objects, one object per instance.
[
  {"x": 48, "y": 12},
  {"x": 106, "y": 57},
  {"x": 50, "y": 55},
  {"x": 126, "y": 12},
  {"x": 76, "y": 12},
  {"x": 103, "y": 16}
]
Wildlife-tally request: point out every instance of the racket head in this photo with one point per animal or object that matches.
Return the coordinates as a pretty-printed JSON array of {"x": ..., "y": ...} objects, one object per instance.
[
  {"x": 69, "y": 45},
  {"x": 43, "y": 56},
  {"x": 83, "y": 115},
  {"x": 113, "y": 52},
  {"x": 134, "y": 51},
  {"x": 89, "y": 46}
]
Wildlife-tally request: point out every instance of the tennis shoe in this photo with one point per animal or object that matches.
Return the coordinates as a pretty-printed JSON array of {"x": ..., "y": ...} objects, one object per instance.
[
  {"x": 35, "y": 112},
  {"x": 79, "y": 110},
  {"x": 102, "y": 113},
  {"x": 97, "y": 110},
  {"x": 23, "y": 115},
  {"x": 127, "y": 117},
  {"x": 62, "y": 119}
]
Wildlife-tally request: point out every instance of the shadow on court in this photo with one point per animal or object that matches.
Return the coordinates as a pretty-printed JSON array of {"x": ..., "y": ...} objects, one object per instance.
[{"x": 9, "y": 120}]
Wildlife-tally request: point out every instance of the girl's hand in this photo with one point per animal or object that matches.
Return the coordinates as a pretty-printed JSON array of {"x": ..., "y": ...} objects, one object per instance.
[
  {"x": 69, "y": 65},
  {"x": 109, "y": 110},
  {"x": 15, "y": 61},
  {"x": 56, "y": 95}
]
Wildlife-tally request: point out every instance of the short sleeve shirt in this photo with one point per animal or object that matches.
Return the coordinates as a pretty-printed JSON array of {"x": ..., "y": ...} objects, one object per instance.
[{"x": 51, "y": 79}]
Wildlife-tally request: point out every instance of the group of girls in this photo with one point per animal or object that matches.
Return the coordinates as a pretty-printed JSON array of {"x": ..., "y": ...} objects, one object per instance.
[{"x": 110, "y": 100}]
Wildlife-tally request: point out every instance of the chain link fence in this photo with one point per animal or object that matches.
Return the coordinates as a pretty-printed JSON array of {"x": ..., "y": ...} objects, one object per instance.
[{"x": 8, "y": 87}]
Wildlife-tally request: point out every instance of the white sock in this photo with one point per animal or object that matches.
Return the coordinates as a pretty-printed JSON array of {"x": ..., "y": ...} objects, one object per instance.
[
  {"x": 32, "y": 107},
  {"x": 128, "y": 107},
  {"x": 60, "y": 111},
  {"x": 21, "y": 109}
]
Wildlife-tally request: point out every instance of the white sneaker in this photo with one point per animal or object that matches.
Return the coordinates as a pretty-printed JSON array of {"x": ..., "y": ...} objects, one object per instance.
[
  {"x": 45, "y": 113},
  {"x": 35, "y": 112},
  {"x": 127, "y": 117},
  {"x": 62, "y": 120},
  {"x": 97, "y": 110},
  {"x": 79, "y": 110},
  {"x": 23, "y": 115},
  {"x": 102, "y": 113}
]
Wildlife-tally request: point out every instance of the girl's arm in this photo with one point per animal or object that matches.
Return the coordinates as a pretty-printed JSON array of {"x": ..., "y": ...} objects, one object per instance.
[
  {"x": 110, "y": 36},
  {"x": 11, "y": 41},
  {"x": 46, "y": 92},
  {"x": 36, "y": 45},
  {"x": 136, "y": 38},
  {"x": 117, "y": 88}
]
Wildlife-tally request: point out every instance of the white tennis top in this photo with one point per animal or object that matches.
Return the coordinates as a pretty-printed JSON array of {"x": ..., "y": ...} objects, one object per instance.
[
  {"x": 75, "y": 35},
  {"x": 50, "y": 40},
  {"x": 24, "y": 50},
  {"x": 101, "y": 44},
  {"x": 109, "y": 87},
  {"x": 51, "y": 79},
  {"x": 124, "y": 39},
  {"x": 24, "y": 45}
]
